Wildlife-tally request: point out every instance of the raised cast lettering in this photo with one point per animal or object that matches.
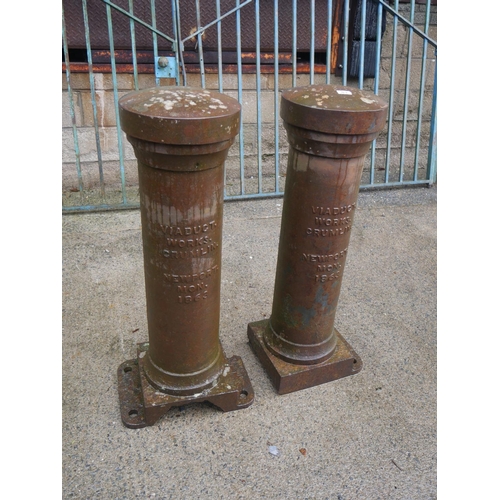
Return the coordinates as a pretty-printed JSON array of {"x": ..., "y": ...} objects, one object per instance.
[
  {"x": 327, "y": 232},
  {"x": 327, "y": 277},
  {"x": 190, "y": 278},
  {"x": 308, "y": 257},
  {"x": 188, "y": 230},
  {"x": 323, "y": 221},
  {"x": 189, "y": 254},
  {"x": 333, "y": 210}
]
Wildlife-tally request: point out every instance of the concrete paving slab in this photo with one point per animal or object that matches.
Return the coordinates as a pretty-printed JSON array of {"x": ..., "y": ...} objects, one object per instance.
[{"x": 369, "y": 436}]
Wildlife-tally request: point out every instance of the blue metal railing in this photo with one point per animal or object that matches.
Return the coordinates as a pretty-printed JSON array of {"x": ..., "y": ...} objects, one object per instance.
[{"x": 390, "y": 157}]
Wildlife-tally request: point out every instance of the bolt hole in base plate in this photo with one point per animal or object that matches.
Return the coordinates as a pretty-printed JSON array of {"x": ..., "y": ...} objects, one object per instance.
[
  {"x": 142, "y": 405},
  {"x": 288, "y": 377}
]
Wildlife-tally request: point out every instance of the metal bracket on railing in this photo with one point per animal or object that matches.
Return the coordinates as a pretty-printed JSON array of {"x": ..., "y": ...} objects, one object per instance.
[{"x": 165, "y": 67}]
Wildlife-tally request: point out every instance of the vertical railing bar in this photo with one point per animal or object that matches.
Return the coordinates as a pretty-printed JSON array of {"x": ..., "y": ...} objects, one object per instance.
[
  {"x": 312, "y": 48},
  {"x": 200, "y": 45},
  {"x": 422, "y": 86},
  {"x": 313, "y": 40},
  {"x": 219, "y": 71},
  {"x": 276, "y": 102},
  {"x": 219, "y": 48},
  {"x": 72, "y": 109},
  {"x": 376, "y": 83},
  {"x": 155, "y": 37},
  {"x": 391, "y": 91},
  {"x": 175, "y": 44},
  {"x": 294, "y": 43},
  {"x": 431, "y": 161},
  {"x": 258, "y": 90},
  {"x": 240, "y": 97},
  {"x": 115, "y": 94},
  {"x": 378, "y": 49},
  {"x": 329, "y": 42},
  {"x": 134, "y": 49},
  {"x": 93, "y": 98},
  {"x": 362, "y": 45},
  {"x": 407, "y": 93},
  {"x": 179, "y": 43},
  {"x": 346, "y": 43}
]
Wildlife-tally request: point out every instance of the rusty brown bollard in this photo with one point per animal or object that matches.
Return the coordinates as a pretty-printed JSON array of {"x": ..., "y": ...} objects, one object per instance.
[
  {"x": 181, "y": 137},
  {"x": 330, "y": 130}
]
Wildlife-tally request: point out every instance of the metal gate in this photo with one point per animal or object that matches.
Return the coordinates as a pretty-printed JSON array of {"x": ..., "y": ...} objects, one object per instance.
[{"x": 249, "y": 49}]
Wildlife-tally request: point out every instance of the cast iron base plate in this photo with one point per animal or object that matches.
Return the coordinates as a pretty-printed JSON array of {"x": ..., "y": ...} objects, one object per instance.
[
  {"x": 289, "y": 377},
  {"x": 141, "y": 404}
]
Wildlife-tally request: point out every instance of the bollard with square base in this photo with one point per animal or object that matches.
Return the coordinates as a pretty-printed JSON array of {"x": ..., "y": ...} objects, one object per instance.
[
  {"x": 330, "y": 130},
  {"x": 181, "y": 137}
]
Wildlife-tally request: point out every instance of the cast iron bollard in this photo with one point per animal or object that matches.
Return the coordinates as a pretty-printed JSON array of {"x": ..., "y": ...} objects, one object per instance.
[
  {"x": 330, "y": 130},
  {"x": 181, "y": 138}
]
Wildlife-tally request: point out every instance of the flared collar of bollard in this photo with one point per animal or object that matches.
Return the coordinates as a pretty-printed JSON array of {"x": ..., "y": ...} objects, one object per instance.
[
  {"x": 334, "y": 109},
  {"x": 179, "y": 115}
]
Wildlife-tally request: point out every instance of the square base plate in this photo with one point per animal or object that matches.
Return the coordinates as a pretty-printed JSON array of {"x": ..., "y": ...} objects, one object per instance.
[
  {"x": 141, "y": 404},
  {"x": 289, "y": 377}
]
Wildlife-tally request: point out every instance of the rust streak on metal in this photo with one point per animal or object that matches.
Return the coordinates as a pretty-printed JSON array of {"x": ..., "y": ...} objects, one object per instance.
[{"x": 142, "y": 68}]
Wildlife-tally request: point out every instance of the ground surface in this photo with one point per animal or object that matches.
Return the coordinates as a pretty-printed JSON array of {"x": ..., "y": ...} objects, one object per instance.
[{"x": 369, "y": 436}]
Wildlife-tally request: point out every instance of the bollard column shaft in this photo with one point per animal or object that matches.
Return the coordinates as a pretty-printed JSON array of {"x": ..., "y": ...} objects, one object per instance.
[
  {"x": 181, "y": 138},
  {"x": 182, "y": 262},
  {"x": 329, "y": 129}
]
